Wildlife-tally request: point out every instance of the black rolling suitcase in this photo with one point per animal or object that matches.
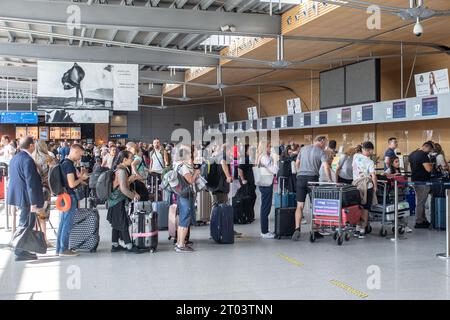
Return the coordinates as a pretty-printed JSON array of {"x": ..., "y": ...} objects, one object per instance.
[
  {"x": 350, "y": 196},
  {"x": 284, "y": 218},
  {"x": 84, "y": 234},
  {"x": 144, "y": 226}
]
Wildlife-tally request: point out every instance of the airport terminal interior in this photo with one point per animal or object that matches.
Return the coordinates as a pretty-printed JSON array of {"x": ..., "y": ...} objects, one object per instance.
[{"x": 338, "y": 109}]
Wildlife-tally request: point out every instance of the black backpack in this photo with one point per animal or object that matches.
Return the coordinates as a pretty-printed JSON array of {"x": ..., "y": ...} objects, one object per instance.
[
  {"x": 284, "y": 168},
  {"x": 93, "y": 179},
  {"x": 104, "y": 185},
  {"x": 55, "y": 180},
  {"x": 210, "y": 171}
]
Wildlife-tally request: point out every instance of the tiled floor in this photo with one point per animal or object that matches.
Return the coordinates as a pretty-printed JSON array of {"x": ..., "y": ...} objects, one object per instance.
[{"x": 252, "y": 268}]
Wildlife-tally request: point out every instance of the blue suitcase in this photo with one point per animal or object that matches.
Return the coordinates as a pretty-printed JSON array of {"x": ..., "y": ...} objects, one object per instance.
[
  {"x": 411, "y": 198},
  {"x": 222, "y": 224},
  {"x": 439, "y": 213}
]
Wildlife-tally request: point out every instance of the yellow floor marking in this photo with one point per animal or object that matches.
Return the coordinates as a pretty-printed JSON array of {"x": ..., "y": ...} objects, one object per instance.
[
  {"x": 349, "y": 289},
  {"x": 290, "y": 260}
]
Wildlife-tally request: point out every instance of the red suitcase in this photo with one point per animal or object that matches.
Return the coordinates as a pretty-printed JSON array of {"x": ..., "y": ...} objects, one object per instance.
[{"x": 350, "y": 215}]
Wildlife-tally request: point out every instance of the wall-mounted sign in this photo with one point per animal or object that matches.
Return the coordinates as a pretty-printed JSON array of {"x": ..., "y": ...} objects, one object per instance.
[
  {"x": 431, "y": 83},
  {"x": 43, "y": 133},
  {"x": 294, "y": 105},
  {"x": 223, "y": 117},
  {"x": 76, "y": 116},
  {"x": 19, "y": 117}
]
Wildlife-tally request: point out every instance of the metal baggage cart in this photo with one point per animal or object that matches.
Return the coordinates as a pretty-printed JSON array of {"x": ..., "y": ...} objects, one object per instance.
[
  {"x": 326, "y": 211},
  {"x": 380, "y": 213}
]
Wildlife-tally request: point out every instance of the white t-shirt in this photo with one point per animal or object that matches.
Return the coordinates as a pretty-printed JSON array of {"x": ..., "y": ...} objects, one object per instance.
[
  {"x": 7, "y": 153},
  {"x": 362, "y": 167},
  {"x": 440, "y": 161},
  {"x": 109, "y": 160},
  {"x": 157, "y": 161}
]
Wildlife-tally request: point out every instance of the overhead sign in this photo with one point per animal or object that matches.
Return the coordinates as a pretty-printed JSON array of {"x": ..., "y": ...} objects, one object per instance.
[
  {"x": 223, "y": 117},
  {"x": 19, "y": 117},
  {"x": 294, "y": 106},
  {"x": 93, "y": 86},
  {"x": 252, "y": 113},
  {"x": 118, "y": 136},
  {"x": 431, "y": 83}
]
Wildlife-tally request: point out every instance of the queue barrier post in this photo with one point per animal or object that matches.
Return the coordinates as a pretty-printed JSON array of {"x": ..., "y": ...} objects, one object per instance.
[
  {"x": 395, "y": 212},
  {"x": 446, "y": 254}
]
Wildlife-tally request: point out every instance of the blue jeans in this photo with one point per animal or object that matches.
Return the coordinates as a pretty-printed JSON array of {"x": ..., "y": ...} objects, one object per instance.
[
  {"x": 266, "y": 207},
  {"x": 186, "y": 209},
  {"x": 25, "y": 220},
  {"x": 65, "y": 226}
]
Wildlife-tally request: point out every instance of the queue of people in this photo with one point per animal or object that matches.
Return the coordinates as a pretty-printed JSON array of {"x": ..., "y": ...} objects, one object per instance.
[{"x": 135, "y": 164}]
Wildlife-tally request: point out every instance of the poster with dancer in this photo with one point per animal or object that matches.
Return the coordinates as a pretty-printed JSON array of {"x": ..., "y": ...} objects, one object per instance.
[{"x": 87, "y": 86}]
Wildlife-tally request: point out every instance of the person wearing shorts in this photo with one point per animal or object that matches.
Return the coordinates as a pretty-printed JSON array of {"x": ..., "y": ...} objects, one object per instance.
[
  {"x": 308, "y": 163},
  {"x": 186, "y": 205}
]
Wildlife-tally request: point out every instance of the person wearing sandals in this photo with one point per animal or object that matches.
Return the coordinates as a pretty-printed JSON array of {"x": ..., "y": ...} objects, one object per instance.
[
  {"x": 186, "y": 202},
  {"x": 44, "y": 161},
  {"x": 117, "y": 213}
]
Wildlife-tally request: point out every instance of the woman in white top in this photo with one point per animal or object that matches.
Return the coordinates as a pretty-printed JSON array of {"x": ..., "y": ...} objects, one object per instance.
[
  {"x": 269, "y": 161},
  {"x": 441, "y": 162},
  {"x": 7, "y": 151}
]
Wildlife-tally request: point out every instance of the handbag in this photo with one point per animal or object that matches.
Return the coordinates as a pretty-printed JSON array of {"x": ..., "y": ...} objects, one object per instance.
[
  {"x": 263, "y": 177},
  {"x": 29, "y": 239}
]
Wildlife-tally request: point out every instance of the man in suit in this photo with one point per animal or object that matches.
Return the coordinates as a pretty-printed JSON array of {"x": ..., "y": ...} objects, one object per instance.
[{"x": 25, "y": 190}]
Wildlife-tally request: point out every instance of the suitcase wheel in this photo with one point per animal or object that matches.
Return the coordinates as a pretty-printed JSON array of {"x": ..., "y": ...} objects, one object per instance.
[
  {"x": 312, "y": 236},
  {"x": 340, "y": 239},
  {"x": 152, "y": 250},
  {"x": 347, "y": 236},
  {"x": 383, "y": 232}
]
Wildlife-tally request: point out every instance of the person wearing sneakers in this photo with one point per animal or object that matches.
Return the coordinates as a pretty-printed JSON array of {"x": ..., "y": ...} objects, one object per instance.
[
  {"x": 186, "y": 202},
  {"x": 269, "y": 160},
  {"x": 308, "y": 163},
  {"x": 365, "y": 179},
  {"x": 71, "y": 180},
  {"x": 117, "y": 214}
]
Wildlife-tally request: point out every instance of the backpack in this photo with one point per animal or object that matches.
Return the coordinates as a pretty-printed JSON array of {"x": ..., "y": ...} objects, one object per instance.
[
  {"x": 210, "y": 172},
  {"x": 174, "y": 182},
  {"x": 104, "y": 185},
  {"x": 55, "y": 180},
  {"x": 93, "y": 179},
  {"x": 285, "y": 169}
]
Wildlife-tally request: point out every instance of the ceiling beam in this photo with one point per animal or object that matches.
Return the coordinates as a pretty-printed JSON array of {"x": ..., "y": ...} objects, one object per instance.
[
  {"x": 141, "y": 18},
  {"x": 144, "y": 76},
  {"x": 231, "y": 4},
  {"x": 102, "y": 55}
]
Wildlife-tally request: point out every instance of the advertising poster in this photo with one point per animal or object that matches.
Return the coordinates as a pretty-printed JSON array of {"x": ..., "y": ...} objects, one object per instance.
[
  {"x": 65, "y": 133},
  {"x": 75, "y": 116},
  {"x": 431, "y": 83},
  {"x": 21, "y": 132},
  {"x": 94, "y": 86},
  {"x": 43, "y": 133},
  {"x": 75, "y": 133},
  {"x": 33, "y": 132},
  {"x": 55, "y": 133}
]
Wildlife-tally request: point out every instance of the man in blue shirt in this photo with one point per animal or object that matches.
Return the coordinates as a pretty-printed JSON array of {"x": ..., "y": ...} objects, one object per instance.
[
  {"x": 71, "y": 180},
  {"x": 390, "y": 152},
  {"x": 64, "y": 152}
]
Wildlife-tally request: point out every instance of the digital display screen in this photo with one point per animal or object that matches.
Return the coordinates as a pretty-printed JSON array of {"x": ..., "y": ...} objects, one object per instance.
[
  {"x": 19, "y": 117},
  {"x": 346, "y": 115},
  {"x": 75, "y": 133},
  {"x": 264, "y": 124},
  {"x": 323, "y": 117},
  {"x": 244, "y": 125},
  {"x": 235, "y": 126},
  {"x": 399, "y": 109},
  {"x": 221, "y": 128},
  {"x": 367, "y": 113},
  {"x": 255, "y": 124},
  {"x": 277, "y": 122},
  {"x": 307, "y": 119},
  {"x": 290, "y": 121},
  {"x": 430, "y": 106}
]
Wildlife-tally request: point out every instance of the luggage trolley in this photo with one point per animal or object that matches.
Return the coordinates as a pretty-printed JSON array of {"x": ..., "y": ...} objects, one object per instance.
[
  {"x": 384, "y": 211},
  {"x": 327, "y": 212}
]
